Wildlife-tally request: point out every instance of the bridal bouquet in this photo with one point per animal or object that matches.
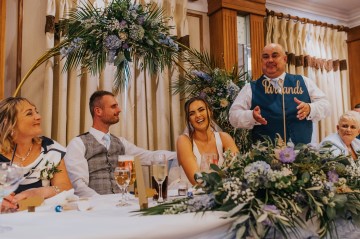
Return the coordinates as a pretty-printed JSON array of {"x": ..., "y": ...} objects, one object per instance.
[{"x": 277, "y": 188}]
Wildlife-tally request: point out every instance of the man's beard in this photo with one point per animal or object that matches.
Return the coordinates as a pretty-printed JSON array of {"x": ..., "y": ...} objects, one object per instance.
[{"x": 111, "y": 121}]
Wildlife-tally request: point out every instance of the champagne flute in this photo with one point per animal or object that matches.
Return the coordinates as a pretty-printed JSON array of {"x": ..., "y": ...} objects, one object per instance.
[
  {"x": 159, "y": 170},
  {"x": 127, "y": 161},
  {"x": 122, "y": 177}
]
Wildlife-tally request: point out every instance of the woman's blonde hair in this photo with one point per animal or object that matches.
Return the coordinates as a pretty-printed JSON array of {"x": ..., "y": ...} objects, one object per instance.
[
  {"x": 351, "y": 115},
  {"x": 8, "y": 120}
]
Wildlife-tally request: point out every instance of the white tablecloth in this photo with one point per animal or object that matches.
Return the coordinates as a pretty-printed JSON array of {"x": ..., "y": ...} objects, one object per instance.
[{"x": 105, "y": 220}]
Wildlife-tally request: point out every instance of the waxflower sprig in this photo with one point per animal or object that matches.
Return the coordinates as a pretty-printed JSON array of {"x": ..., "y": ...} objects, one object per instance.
[{"x": 49, "y": 171}]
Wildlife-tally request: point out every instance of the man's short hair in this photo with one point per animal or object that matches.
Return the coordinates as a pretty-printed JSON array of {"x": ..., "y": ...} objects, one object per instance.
[
  {"x": 357, "y": 106},
  {"x": 95, "y": 99}
]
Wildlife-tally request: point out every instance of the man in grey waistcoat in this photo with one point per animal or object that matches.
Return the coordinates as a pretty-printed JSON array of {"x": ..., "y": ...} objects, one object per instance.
[{"x": 92, "y": 157}]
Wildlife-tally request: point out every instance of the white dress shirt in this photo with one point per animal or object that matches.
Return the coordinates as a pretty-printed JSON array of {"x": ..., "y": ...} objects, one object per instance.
[
  {"x": 240, "y": 115},
  {"x": 77, "y": 166}
]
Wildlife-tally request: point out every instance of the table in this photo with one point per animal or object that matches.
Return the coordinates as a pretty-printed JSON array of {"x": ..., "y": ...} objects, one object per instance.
[{"x": 107, "y": 221}]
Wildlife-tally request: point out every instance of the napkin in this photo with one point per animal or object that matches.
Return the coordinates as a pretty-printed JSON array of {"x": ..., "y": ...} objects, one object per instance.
[{"x": 61, "y": 198}]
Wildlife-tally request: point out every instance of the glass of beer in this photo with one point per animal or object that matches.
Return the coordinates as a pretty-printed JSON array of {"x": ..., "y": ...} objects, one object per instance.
[
  {"x": 122, "y": 177},
  {"x": 127, "y": 161},
  {"x": 159, "y": 173}
]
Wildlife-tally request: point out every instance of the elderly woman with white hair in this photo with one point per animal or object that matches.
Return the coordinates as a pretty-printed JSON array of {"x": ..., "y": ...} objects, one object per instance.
[{"x": 345, "y": 141}]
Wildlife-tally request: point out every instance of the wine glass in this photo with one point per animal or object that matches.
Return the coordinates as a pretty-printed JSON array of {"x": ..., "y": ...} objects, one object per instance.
[
  {"x": 127, "y": 161},
  {"x": 159, "y": 172},
  {"x": 10, "y": 178},
  {"x": 122, "y": 177}
]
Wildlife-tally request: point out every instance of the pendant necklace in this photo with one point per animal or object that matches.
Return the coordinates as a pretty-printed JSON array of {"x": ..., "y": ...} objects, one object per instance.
[{"x": 27, "y": 154}]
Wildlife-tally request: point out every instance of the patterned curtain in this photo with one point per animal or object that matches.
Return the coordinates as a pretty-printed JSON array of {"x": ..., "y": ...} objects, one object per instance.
[{"x": 318, "y": 52}]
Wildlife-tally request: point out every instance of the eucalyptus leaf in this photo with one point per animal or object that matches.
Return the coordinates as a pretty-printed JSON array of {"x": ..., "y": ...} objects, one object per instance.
[
  {"x": 119, "y": 58},
  {"x": 237, "y": 209},
  {"x": 242, "y": 219},
  {"x": 340, "y": 199},
  {"x": 240, "y": 233},
  {"x": 305, "y": 177},
  {"x": 331, "y": 212}
]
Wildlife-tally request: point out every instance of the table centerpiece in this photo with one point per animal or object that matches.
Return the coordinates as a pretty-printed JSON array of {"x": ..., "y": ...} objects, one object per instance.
[{"x": 276, "y": 189}]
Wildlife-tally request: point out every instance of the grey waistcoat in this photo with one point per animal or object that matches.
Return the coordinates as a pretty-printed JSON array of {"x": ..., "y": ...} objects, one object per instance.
[{"x": 102, "y": 163}]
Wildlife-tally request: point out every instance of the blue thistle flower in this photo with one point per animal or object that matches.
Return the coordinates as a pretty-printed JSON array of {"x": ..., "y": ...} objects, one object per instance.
[
  {"x": 141, "y": 20},
  {"x": 123, "y": 24},
  {"x": 202, "y": 75},
  {"x": 333, "y": 176},
  {"x": 111, "y": 56},
  {"x": 112, "y": 42}
]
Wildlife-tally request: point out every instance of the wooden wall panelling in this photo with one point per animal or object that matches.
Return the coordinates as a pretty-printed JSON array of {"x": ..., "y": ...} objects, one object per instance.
[
  {"x": 2, "y": 46},
  {"x": 243, "y": 6},
  {"x": 354, "y": 64},
  {"x": 223, "y": 40},
  {"x": 216, "y": 35},
  {"x": 230, "y": 39},
  {"x": 19, "y": 42},
  {"x": 257, "y": 43}
]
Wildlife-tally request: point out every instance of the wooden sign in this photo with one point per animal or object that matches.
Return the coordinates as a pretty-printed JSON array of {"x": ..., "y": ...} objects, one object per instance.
[
  {"x": 30, "y": 203},
  {"x": 140, "y": 183}
]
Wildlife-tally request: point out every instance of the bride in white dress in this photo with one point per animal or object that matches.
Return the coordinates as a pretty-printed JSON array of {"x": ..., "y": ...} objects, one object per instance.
[{"x": 201, "y": 137}]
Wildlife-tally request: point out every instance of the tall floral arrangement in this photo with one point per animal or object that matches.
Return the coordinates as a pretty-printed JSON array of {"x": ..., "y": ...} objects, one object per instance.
[
  {"x": 278, "y": 188},
  {"x": 118, "y": 34},
  {"x": 203, "y": 77}
]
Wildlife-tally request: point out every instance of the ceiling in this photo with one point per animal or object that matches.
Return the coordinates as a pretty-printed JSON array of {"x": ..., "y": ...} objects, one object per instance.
[{"x": 343, "y": 12}]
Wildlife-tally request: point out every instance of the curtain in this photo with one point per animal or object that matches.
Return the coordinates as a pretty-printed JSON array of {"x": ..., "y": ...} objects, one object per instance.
[
  {"x": 150, "y": 116},
  {"x": 320, "y": 53}
]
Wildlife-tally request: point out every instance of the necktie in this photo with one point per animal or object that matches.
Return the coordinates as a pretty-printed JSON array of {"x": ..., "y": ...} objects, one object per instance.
[
  {"x": 277, "y": 83},
  {"x": 106, "y": 141}
]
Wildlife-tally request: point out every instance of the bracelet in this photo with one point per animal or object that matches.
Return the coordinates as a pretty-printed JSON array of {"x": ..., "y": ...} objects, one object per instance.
[{"x": 56, "y": 189}]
